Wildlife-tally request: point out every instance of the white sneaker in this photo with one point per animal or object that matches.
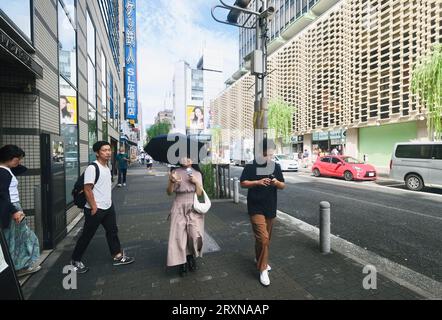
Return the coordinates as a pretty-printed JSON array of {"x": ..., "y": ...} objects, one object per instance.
[
  {"x": 124, "y": 184},
  {"x": 119, "y": 185},
  {"x": 264, "y": 278}
]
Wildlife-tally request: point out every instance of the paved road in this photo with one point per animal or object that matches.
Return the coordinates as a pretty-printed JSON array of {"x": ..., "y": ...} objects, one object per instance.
[{"x": 397, "y": 224}]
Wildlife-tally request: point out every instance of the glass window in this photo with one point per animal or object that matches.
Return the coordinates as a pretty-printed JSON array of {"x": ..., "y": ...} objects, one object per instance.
[
  {"x": 69, "y": 6},
  {"x": 67, "y": 46},
  {"x": 437, "y": 151},
  {"x": 298, "y": 8},
  {"x": 103, "y": 67},
  {"x": 91, "y": 84},
  {"x": 18, "y": 12},
  {"x": 69, "y": 131},
  {"x": 92, "y": 130},
  {"x": 353, "y": 160},
  {"x": 91, "y": 88},
  {"x": 325, "y": 159},
  {"x": 104, "y": 100},
  {"x": 104, "y": 95},
  {"x": 90, "y": 39},
  {"x": 111, "y": 100},
  {"x": 110, "y": 13},
  {"x": 68, "y": 92},
  {"x": 417, "y": 151},
  {"x": 91, "y": 72},
  {"x": 335, "y": 160},
  {"x": 105, "y": 131},
  {"x": 304, "y": 6},
  {"x": 103, "y": 86}
]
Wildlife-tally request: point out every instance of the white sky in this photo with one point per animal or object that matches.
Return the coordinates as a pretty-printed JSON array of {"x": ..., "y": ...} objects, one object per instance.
[{"x": 169, "y": 31}]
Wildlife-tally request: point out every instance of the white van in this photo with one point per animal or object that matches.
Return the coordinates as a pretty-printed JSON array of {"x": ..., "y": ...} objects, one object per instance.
[{"x": 419, "y": 164}]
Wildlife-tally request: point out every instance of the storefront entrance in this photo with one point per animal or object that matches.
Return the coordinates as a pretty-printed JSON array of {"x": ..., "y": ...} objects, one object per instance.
[{"x": 325, "y": 142}]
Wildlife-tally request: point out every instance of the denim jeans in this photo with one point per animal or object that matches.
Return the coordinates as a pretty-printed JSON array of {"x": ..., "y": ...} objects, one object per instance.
[{"x": 122, "y": 176}]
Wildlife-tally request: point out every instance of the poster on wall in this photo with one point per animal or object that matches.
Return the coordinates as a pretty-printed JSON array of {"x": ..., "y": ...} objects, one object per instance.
[
  {"x": 195, "y": 118},
  {"x": 68, "y": 110}
]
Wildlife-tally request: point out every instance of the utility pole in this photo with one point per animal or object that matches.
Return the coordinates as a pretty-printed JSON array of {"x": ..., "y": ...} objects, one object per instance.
[{"x": 259, "y": 17}]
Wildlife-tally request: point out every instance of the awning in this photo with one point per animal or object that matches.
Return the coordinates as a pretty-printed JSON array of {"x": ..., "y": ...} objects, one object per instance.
[
  {"x": 132, "y": 143},
  {"x": 125, "y": 139},
  {"x": 12, "y": 50}
]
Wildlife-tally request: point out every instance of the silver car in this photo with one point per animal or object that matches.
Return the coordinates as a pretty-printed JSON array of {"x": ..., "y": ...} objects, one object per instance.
[
  {"x": 286, "y": 162},
  {"x": 419, "y": 164}
]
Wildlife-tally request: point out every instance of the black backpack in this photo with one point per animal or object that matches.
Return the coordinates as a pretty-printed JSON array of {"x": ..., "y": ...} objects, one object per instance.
[{"x": 78, "y": 191}]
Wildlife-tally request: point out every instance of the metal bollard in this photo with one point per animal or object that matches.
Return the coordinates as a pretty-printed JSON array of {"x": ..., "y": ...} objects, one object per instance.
[
  {"x": 236, "y": 190},
  {"x": 324, "y": 227}
]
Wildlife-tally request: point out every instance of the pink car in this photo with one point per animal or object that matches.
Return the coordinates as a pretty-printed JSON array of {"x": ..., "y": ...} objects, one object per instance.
[{"x": 343, "y": 167}]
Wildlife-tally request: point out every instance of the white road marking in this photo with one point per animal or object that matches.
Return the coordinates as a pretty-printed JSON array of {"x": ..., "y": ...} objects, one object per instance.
[
  {"x": 306, "y": 176},
  {"x": 210, "y": 245},
  {"x": 375, "y": 204}
]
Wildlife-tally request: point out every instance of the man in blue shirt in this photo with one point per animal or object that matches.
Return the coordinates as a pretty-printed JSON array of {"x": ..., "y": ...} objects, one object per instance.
[{"x": 122, "y": 162}]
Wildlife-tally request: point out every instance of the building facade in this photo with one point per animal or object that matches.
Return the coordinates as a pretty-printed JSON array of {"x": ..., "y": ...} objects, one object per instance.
[
  {"x": 162, "y": 116},
  {"x": 286, "y": 13},
  {"x": 193, "y": 91},
  {"x": 61, "y": 90},
  {"x": 187, "y": 94},
  {"x": 347, "y": 75}
]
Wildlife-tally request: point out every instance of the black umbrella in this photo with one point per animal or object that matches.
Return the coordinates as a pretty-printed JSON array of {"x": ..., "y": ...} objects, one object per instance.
[{"x": 172, "y": 147}]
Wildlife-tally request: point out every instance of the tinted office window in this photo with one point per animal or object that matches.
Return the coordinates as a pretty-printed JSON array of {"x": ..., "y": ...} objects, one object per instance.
[
  {"x": 67, "y": 45},
  {"x": 68, "y": 92},
  {"x": 93, "y": 131},
  {"x": 90, "y": 39},
  {"x": 92, "y": 88},
  {"x": 414, "y": 151}
]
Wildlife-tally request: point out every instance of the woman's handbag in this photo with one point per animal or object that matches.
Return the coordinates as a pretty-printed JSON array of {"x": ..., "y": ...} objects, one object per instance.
[{"x": 201, "y": 207}]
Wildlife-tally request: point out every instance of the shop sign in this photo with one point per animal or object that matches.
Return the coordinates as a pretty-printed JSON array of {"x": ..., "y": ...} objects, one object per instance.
[
  {"x": 130, "y": 27},
  {"x": 18, "y": 53}
]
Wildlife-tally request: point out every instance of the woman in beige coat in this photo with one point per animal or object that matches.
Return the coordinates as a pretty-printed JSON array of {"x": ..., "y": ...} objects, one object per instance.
[{"x": 186, "y": 226}]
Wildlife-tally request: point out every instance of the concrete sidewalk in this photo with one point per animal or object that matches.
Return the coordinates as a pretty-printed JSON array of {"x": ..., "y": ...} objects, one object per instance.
[{"x": 227, "y": 270}]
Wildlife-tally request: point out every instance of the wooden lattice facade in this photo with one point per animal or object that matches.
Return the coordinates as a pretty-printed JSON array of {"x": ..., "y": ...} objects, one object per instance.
[{"x": 351, "y": 68}]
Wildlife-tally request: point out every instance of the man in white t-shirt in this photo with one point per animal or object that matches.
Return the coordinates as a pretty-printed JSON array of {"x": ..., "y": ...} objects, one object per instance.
[{"x": 99, "y": 210}]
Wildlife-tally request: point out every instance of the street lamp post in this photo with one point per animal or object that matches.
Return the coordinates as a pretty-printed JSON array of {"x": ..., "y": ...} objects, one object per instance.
[{"x": 259, "y": 56}]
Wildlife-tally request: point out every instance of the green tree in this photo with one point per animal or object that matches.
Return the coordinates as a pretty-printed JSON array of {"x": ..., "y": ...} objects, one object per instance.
[
  {"x": 426, "y": 83},
  {"x": 208, "y": 172},
  {"x": 158, "y": 129},
  {"x": 216, "y": 141},
  {"x": 280, "y": 117}
]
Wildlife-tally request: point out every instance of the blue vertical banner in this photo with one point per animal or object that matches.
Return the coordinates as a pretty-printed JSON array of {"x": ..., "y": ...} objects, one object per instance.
[
  {"x": 130, "y": 40},
  {"x": 111, "y": 95}
]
